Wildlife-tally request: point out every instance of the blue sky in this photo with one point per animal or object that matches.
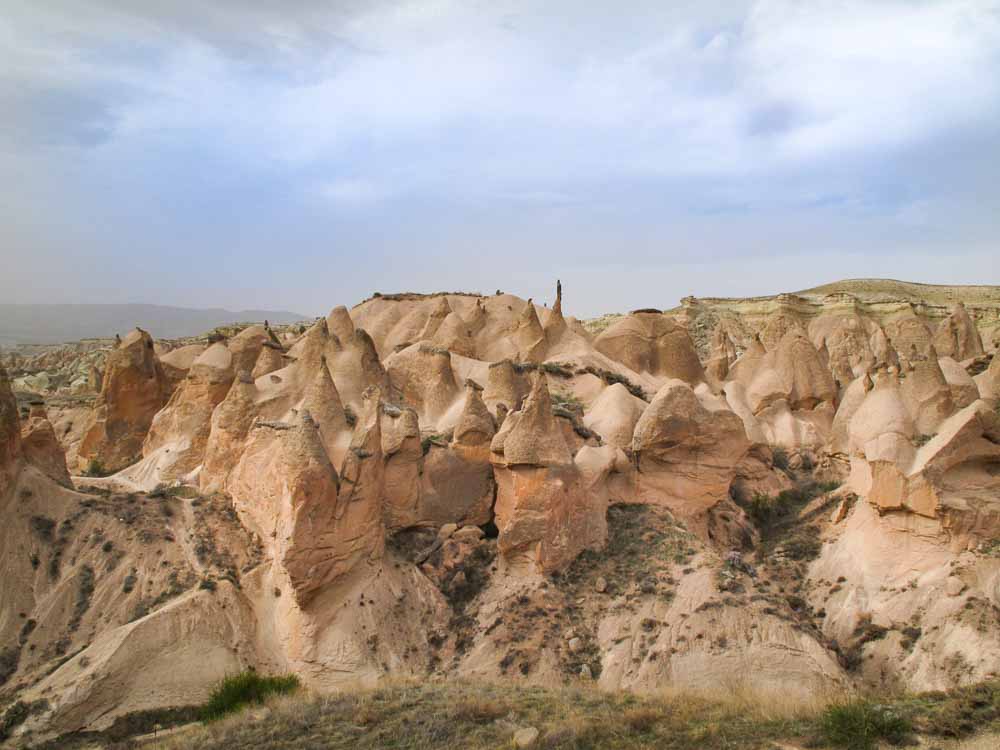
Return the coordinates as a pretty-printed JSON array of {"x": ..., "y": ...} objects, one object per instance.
[{"x": 303, "y": 154}]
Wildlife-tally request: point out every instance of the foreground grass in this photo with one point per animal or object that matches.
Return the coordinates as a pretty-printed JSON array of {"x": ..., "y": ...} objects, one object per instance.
[{"x": 479, "y": 716}]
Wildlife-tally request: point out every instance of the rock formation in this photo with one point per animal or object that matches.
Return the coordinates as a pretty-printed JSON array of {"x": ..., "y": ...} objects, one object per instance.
[
  {"x": 135, "y": 388},
  {"x": 183, "y": 426},
  {"x": 543, "y": 511},
  {"x": 41, "y": 448},
  {"x": 231, "y": 422},
  {"x": 10, "y": 433},
  {"x": 957, "y": 335},
  {"x": 399, "y": 489},
  {"x": 648, "y": 341},
  {"x": 686, "y": 455}
]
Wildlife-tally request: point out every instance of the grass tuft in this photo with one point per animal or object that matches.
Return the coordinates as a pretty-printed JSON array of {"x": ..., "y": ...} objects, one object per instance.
[
  {"x": 859, "y": 724},
  {"x": 246, "y": 688}
]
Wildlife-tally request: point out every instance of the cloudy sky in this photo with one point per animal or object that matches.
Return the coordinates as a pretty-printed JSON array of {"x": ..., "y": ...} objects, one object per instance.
[{"x": 301, "y": 154}]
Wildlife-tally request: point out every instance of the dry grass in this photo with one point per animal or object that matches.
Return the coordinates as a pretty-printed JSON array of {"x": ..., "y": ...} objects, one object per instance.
[
  {"x": 407, "y": 715},
  {"x": 479, "y": 716}
]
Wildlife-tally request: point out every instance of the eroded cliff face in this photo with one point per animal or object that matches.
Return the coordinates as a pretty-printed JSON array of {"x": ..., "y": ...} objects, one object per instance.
[{"x": 477, "y": 486}]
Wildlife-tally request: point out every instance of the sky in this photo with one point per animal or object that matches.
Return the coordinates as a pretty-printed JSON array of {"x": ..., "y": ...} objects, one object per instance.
[{"x": 301, "y": 154}]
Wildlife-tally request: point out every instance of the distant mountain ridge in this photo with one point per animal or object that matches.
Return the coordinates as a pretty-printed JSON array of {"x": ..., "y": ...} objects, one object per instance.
[{"x": 54, "y": 324}]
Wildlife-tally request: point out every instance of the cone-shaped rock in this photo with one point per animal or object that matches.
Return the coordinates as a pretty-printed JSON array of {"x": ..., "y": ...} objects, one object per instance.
[
  {"x": 135, "y": 388},
  {"x": 231, "y": 423},
  {"x": 531, "y": 436}
]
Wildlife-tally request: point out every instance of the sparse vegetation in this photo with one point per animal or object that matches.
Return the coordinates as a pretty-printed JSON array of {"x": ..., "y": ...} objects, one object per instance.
[
  {"x": 427, "y": 441},
  {"x": 859, "y": 724},
  {"x": 246, "y": 688},
  {"x": 558, "y": 369},
  {"x": 96, "y": 468},
  {"x": 779, "y": 458},
  {"x": 765, "y": 510},
  {"x": 85, "y": 590},
  {"x": 566, "y": 401},
  {"x": 611, "y": 378},
  {"x": 455, "y": 714},
  {"x": 17, "y": 714},
  {"x": 43, "y": 527},
  {"x": 9, "y": 659}
]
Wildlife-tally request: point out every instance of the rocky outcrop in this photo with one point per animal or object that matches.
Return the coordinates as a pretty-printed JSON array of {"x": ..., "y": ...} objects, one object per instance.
[
  {"x": 545, "y": 511},
  {"x": 322, "y": 401},
  {"x": 10, "y": 433},
  {"x": 231, "y": 421},
  {"x": 906, "y": 330},
  {"x": 506, "y": 384},
  {"x": 176, "y": 363},
  {"x": 957, "y": 335},
  {"x": 650, "y": 342},
  {"x": 787, "y": 395},
  {"x": 458, "y": 478},
  {"x": 135, "y": 388},
  {"x": 531, "y": 436},
  {"x": 287, "y": 491},
  {"x": 528, "y": 335},
  {"x": 614, "y": 414},
  {"x": 961, "y": 384},
  {"x": 686, "y": 455},
  {"x": 988, "y": 381},
  {"x": 721, "y": 356},
  {"x": 402, "y": 457},
  {"x": 41, "y": 448},
  {"x": 927, "y": 394},
  {"x": 183, "y": 426},
  {"x": 956, "y": 473},
  {"x": 422, "y": 374},
  {"x": 271, "y": 359}
]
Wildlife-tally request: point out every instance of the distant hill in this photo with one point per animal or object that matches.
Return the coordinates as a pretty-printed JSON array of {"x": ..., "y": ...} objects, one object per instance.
[
  {"x": 54, "y": 324},
  {"x": 878, "y": 290}
]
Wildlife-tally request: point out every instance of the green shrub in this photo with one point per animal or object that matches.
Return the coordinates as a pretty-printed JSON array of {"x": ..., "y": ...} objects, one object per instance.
[
  {"x": 779, "y": 457},
  {"x": 95, "y": 468},
  {"x": 43, "y": 526},
  {"x": 859, "y": 724},
  {"x": 243, "y": 689},
  {"x": 9, "y": 659}
]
